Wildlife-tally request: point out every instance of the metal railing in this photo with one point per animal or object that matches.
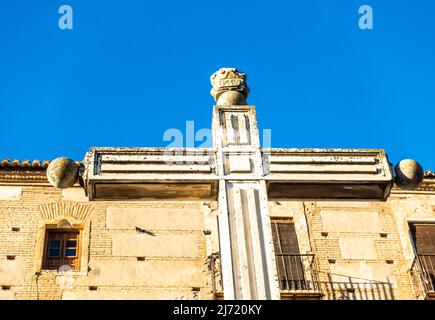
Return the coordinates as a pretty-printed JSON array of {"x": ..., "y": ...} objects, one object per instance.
[
  {"x": 424, "y": 266},
  {"x": 344, "y": 287},
  {"x": 297, "y": 272}
]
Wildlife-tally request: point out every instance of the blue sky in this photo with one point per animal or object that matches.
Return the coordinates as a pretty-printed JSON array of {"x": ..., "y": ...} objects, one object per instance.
[{"x": 129, "y": 70}]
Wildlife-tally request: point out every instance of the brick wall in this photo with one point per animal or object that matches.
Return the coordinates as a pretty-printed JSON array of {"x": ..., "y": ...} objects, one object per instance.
[
  {"x": 170, "y": 242},
  {"x": 362, "y": 248}
]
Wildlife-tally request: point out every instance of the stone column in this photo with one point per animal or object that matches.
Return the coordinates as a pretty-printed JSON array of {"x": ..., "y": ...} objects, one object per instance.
[{"x": 248, "y": 259}]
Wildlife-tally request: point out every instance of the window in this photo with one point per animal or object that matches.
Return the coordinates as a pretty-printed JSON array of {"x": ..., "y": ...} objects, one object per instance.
[
  {"x": 62, "y": 247},
  {"x": 291, "y": 273},
  {"x": 424, "y": 241}
]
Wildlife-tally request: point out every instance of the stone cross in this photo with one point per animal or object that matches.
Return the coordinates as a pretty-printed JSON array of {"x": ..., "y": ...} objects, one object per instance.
[{"x": 248, "y": 260}]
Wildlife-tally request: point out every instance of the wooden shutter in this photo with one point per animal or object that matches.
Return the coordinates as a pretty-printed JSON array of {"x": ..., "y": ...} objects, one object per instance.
[
  {"x": 288, "y": 260},
  {"x": 62, "y": 248},
  {"x": 53, "y": 252},
  {"x": 424, "y": 239},
  {"x": 71, "y": 249},
  {"x": 286, "y": 238}
]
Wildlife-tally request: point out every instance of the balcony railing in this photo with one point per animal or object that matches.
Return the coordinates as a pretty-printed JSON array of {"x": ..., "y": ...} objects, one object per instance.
[
  {"x": 424, "y": 266},
  {"x": 301, "y": 275},
  {"x": 297, "y": 273},
  {"x": 345, "y": 287}
]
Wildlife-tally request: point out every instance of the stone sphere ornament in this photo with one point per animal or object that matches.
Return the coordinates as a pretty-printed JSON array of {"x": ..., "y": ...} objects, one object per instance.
[
  {"x": 409, "y": 174},
  {"x": 63, "y": 173},
  {"x": 232, "y": 98}
]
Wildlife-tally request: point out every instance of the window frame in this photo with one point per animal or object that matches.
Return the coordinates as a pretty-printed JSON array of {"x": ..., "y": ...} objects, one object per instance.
[{"x": 45, "y": 256}]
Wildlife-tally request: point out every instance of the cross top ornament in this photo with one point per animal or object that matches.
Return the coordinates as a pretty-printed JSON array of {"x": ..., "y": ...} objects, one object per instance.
[{"x": 229, "y": 87}]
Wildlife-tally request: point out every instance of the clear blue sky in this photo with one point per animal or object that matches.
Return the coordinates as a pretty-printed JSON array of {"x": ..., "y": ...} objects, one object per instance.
[{"x": 129, "y": 70}]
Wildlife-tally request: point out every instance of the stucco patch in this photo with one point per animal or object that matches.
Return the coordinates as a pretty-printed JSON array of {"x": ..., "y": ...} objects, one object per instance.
[
  {"x": 360, "y": 272},
  {"x": 74, "y": 194},
  {"x": 174, "y": 245},
  {"x": 12, "y": 271},
  {"x": 155, "y": 218},
  {"x": 357, "y": 248},
  {"x": 343, "y": 204},
  {"x": 10, "y": 193},
  {"x": 7, "y": 295},
  {"x": 339, "y": 221},
  {"x": 285, "y": 208},
  {"x": 127, "y": 295},
  {"x": 147, "y": 273}
]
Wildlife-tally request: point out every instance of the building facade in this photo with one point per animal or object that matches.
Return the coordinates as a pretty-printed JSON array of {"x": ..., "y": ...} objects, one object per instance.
[{"x": 235, "y": 221}]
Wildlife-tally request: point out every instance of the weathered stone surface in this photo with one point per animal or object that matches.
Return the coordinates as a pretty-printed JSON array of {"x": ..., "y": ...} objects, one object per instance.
[
  {"x": 229, "y": 87},
  {"x": 62, "y": 173}
]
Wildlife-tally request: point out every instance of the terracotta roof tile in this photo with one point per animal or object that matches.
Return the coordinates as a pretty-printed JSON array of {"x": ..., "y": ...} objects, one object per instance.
[
  {"x": 15, "y": 163},
  {"x": 25, "y": 164},
  {"x": 429, "y": 174}
]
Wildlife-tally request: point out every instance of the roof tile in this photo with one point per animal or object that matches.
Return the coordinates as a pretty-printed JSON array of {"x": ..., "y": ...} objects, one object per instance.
[{"x": 25, "y": 164}]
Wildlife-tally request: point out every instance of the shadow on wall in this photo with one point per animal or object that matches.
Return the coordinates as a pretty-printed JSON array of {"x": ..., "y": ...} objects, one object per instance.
[{"x": 354, "y": 288}]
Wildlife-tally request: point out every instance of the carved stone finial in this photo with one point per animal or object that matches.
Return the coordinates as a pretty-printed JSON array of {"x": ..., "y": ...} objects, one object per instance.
[{"x": 229, "y": 87}]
